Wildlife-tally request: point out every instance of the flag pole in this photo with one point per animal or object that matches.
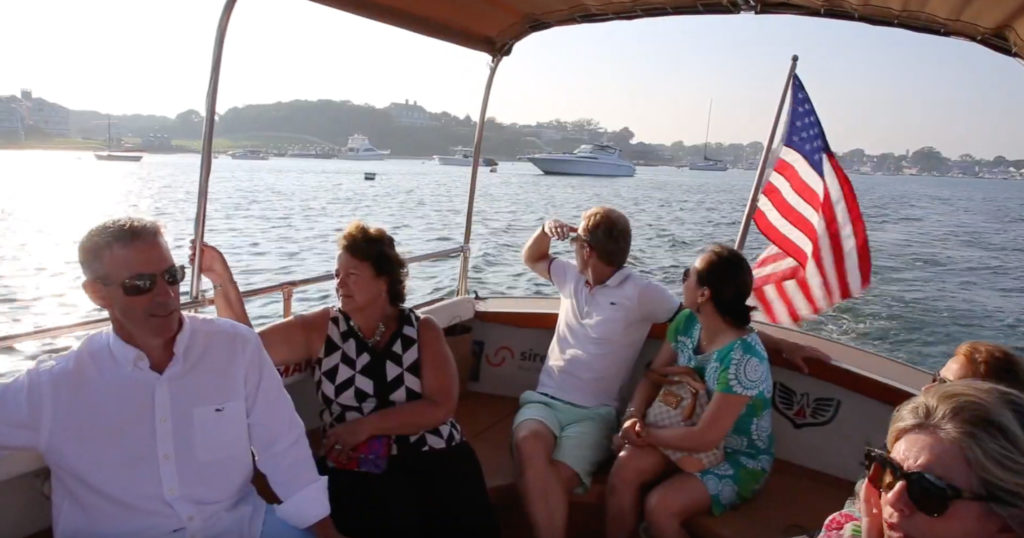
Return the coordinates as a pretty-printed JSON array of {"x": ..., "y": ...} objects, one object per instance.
[{"x": 762, "y": 167}]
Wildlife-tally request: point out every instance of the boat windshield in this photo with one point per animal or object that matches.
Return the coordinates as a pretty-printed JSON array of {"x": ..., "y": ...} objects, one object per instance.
[{"x": 597, "y": 149}]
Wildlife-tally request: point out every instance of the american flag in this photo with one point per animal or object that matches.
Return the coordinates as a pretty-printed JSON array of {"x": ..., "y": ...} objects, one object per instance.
[{"x": 808, "y": 211}]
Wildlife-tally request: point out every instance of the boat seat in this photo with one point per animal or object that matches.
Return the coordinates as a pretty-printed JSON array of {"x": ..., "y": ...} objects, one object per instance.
[{"x": 795, "y": 500}]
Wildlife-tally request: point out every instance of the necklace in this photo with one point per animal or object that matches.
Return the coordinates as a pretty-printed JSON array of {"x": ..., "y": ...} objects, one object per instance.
[{"x": 376, "y": 335}]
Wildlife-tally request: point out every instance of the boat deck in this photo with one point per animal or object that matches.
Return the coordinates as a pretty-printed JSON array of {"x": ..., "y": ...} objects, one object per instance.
[{"x": 794, "y": 502}]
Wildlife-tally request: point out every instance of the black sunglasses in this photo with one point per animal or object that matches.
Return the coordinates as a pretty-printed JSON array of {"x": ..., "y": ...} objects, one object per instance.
[
  {"x": 937, "y": 378},
  {"x": 579, "y": 238},
  {"x": 687, "y": 273},
  {"x": 929, "y": 494},
  {"x": 144, "y": 283}
]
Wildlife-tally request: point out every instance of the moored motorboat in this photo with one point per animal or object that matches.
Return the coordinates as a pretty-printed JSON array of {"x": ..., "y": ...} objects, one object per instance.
[
  {"x": 117, "y": 156},
  {"x": 460, "y": 156},
  {"x": 587, "y": 160},
  {"x": 359, "y": 148},
  {"x": 249, "y": 155}
]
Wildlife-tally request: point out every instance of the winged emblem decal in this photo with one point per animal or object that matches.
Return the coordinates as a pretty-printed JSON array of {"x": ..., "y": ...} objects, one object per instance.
[{"x": 803, "y": 411}]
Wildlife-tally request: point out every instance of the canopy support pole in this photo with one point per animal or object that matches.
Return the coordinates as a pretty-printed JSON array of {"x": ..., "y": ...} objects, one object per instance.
[
  {"x": 206, "y": 159},
  {"x": 463, "y": 285}
]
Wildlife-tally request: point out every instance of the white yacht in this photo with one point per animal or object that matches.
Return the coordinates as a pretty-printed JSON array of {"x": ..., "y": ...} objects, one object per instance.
[
  {"x": 249, "y": 155},
  {"x": 359, "y": 149},
  {"x": 462, "y": 157},
  {"x": 587, "y": 160}
]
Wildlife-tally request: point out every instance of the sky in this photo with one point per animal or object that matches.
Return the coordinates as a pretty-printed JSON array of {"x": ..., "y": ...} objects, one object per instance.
[{"x": 880, "y": 89}]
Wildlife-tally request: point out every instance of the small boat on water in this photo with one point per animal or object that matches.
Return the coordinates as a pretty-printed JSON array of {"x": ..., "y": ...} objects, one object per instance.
[
  {"x": 249, "y": 155},
  {"x": 308, "y": 154},
  {"x": 709, "y": 164},
  {"x": 111, "y": 155},
  {"x": 118, "y": 156},
  {"x": 360, "y": 149},
  {"x": 587, "y": 160},
  {"x": 462, "y": 157}
]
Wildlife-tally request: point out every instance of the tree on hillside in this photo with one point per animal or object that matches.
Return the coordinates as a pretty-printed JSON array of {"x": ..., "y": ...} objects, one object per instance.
[
  {"x": 621, "y": 138},
  {"x": 187, "y": 125},
  {"x": 929, "y": 160}
]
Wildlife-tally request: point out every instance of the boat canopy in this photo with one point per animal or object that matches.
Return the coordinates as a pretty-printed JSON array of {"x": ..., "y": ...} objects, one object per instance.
[{"x": 494, "y": 26}]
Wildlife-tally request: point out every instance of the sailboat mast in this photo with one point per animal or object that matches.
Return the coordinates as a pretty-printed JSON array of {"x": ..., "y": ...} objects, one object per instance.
[{"x": 707, "y": 131}]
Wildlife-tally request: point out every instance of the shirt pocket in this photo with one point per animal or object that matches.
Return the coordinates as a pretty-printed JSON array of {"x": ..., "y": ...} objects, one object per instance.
[{"x": 220, "y": 431}]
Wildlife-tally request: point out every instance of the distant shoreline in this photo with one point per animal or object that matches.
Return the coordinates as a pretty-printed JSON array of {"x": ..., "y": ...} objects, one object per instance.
[{"x": 185, "y": 150}]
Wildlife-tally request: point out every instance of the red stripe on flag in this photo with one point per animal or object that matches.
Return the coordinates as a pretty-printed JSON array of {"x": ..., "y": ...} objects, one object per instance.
[
  {"x": 778, "y": 238},
  {"x": 777, "y": 256},
  {"x": 798, "y": 184},
  {"x": 766, "y": 307},
  {"x": 859, "y": 232},
  {"x": 788, "y": 212},
  {"x": 828, "y": 214}
]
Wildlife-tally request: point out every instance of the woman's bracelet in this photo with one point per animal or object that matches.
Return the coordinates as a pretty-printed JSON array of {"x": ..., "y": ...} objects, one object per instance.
[
  {"x": 221, "y": 285},
  {"x": 631, "y": 412}
]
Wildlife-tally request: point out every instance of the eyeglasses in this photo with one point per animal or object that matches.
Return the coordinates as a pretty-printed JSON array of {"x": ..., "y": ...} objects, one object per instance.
[
  {"x": 929, "y": 494},
  {"x": 686, "y": 274},
  {"x": 579, "y": 238},
  {"x": 937, "y": 377},
  {"x": 144, "y": 283}
]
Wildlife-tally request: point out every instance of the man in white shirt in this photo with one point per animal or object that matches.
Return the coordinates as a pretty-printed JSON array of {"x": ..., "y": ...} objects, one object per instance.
[{"x": 149, "y": 427}]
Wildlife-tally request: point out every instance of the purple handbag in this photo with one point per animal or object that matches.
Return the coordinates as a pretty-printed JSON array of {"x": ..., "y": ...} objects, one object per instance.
[{"x": 370, "y": 456}]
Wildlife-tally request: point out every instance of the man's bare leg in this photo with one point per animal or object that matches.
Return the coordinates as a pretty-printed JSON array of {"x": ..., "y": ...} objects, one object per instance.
[{"x": 544, "y": 484}]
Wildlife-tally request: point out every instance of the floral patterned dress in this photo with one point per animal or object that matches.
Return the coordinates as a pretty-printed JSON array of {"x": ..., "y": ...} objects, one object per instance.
[{"x": 742, "y": 368}]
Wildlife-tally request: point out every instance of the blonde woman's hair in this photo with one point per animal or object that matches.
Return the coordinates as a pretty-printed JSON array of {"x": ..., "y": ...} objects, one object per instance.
[{"x": 987, "y": 422}]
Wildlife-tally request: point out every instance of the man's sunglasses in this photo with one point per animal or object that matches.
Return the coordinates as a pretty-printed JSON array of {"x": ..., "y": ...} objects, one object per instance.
[
  {"x": 144, "y": 283},
  {"x": 929, "y": 494},
  {"x": 580, "y": 238}
]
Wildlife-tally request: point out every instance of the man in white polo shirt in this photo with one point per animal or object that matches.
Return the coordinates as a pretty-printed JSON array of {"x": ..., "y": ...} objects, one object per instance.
[
  {"x": 149, "y": 427},
  {"x": 563, "y": 430}
]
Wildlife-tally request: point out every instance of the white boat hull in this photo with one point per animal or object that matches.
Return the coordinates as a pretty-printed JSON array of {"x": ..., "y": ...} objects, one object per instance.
[
  {"x": 578, "y": 166},
  {"x": 124, "y": 157},
  {"x": 709, "y": 167},
  {"x": 364, "y": 156},
  {"x": 251, "y": 157},
  {"x": 448, "y": 160}
]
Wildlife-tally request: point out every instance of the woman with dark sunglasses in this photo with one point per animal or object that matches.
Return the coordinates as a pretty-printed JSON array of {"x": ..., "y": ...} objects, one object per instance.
[
  {"x": 712, "y": 335},
  {"x": 955, "y": 468},
  {"x": 982, "y": 360}
]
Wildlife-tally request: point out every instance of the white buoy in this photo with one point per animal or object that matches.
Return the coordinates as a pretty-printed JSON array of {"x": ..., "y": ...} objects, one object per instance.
[{"x": 370, "y": 176}]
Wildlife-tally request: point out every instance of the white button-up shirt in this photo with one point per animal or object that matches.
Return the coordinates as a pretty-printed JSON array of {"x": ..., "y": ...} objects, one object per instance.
[{"x": 136, "y": 453}]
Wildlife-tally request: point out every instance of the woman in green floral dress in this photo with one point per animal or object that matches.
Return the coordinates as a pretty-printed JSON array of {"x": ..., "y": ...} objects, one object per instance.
[{"x": 712, "y": 336}]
